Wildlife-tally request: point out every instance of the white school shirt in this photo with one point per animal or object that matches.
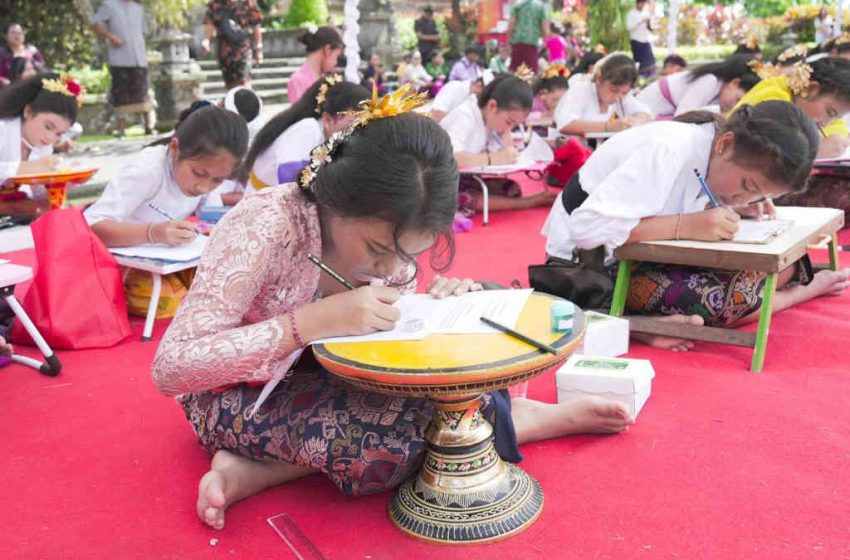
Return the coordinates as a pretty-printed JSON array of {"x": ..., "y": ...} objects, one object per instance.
[
  {"x": 687, "y": 95},
  {"x": 147, "y": 179},
  {"x": 294, "y": 144},
  {"x": 467, "y": 131},
  {"x": 637, "y": 22},
  {"x": 451, "y": 95},
  {"x": 10, "y": 152},
  {"x": 641, "y": 172},
  {"x": 581, "y": 103}
]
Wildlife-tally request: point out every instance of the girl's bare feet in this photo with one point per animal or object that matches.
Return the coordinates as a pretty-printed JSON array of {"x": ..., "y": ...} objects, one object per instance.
[
  {"x": 535, "y": 421},
  {"x": 232, "y": 478},
  {"x": 668, "y": 342}
]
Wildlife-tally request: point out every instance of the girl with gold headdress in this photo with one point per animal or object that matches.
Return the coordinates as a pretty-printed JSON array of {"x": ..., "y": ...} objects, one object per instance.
[
  {"x": 34, "y": 113},
  {"x": 372, "y": 201},
  {"x": 820, "y": 88}
]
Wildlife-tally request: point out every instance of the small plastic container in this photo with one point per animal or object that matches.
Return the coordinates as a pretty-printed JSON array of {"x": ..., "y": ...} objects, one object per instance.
[{"x": 562, "y": 314}]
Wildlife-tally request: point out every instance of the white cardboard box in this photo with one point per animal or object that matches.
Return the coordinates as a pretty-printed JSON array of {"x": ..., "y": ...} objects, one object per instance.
[
  {"x": 604, "y": 335},
  {"x": 620, "y": 379}
]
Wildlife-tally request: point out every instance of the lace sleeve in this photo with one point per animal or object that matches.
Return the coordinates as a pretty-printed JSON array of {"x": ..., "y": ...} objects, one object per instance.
[{"x": 208, "y": 344}]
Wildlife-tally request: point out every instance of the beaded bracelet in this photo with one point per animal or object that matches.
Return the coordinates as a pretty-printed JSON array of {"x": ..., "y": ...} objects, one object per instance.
[{"x": 295, "y": 334}]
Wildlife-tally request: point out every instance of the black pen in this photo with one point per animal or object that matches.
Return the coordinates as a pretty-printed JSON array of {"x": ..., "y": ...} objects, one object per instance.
[
  {"x": 331, "y": 272},
  {"x": 519, "y": 336}
]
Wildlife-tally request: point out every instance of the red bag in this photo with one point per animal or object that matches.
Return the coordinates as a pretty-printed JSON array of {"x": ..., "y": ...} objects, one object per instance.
[
  {"x": 77, "y": 295},
  {"x": 568, "y": 160}
]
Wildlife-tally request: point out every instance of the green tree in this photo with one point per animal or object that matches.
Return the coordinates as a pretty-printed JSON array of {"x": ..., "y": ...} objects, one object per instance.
[
  {"x": 306, "y": 11},
  {"x": 171, "y": 13},
  {"x": 55, "y": 27},
  {"x": 606, "y": 20}
]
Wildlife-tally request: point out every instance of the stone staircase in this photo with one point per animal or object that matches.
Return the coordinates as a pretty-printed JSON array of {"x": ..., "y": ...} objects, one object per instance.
[{"x": 269, "y": 80}]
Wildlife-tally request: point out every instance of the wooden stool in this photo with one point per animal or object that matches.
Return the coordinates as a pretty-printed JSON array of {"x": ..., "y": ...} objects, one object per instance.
[{"x": 809, "y": 224}]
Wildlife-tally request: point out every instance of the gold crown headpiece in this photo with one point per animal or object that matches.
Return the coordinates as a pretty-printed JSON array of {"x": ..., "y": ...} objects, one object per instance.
[
  {"x": 525, "y": 74},
  {"x": 793, "y": 52},
  {"x": 64, "y": 85},
  {"x": 403, "y": 100},
  {"x": 327, "y": 82},
  {"x": 600, "y": 49},
  {"x": 797, "y": 75},
  {"x": 842, "y": 39},
  {"x": 555, "y": 71},
  {"x": 751, "y": 43}
]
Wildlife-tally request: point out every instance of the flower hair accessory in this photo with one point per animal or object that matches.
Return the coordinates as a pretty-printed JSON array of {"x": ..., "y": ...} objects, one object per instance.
[
  {"x": 525, "y": 74},
  {"x": 799, "y": 78},
  {"x": 556, "y": 71},
  {"x": 403, "y": 100},
  {"x": 842, "y": 39},
  {"x": 751, "y": 43},
  {"x": 764, "y": 70},
  {"x": 328, "y": 81},
  {"x": 311, "y": 28},
  {"x": 600, "y": 49},
  {"x": 64, "y": 85}
]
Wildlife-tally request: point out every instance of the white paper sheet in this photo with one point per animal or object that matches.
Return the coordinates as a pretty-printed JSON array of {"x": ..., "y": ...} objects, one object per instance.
[
  {"x": 422, "y": 315},
  {"x": 181, "y": 253},
  {"x": 752, "y": 231}
]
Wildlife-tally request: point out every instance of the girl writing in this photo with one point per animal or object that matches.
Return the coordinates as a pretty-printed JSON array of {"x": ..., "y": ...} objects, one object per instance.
[
  {"x": 641, "y": 186},
  {"x": 549, "y": 89},
  {"x": 151, "y": 197},
  {"x": 324, "y": 46},
  {"x": 604, "y": 104},
  {"x": 282, "y": 148},
  {"x": 480, "y": 131},
  {"x": 718, "y": 84},
  {"x": 371, "y": 201},
  {"x": 820, "y": 88},
  {"x": 34, "y": 113}
]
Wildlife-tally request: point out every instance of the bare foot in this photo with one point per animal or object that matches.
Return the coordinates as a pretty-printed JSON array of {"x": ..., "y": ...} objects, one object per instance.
[
  {"x": 545, "y": 198},
  {"x": 232, "y": 478},
  {"x": 5, "y": 348},
  {"x": 535, "y": 421},
  {"x": 668, "y": 342},
  {"x": 828, "y": 283}
]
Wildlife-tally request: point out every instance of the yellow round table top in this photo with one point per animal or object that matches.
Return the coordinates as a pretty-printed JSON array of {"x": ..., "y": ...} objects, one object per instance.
[{"x": 457, "y": 358}]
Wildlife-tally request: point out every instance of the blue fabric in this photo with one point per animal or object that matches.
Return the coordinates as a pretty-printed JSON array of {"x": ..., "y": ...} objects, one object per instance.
[
  {"x": 503, "y": 428},
  {"x": 288, "y": 172}
]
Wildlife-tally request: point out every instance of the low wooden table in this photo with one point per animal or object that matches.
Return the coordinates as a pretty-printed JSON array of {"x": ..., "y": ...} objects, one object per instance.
[
  {"x": 11, "y": 275},
  {"x": 464, "y": 492},
  {"x": 809, "y": 225},
  {"x": 157, "y": 269},
  {"x": 480, "y": 173}
]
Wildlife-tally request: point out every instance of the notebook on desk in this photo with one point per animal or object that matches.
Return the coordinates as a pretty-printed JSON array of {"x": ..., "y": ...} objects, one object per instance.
[{"x": 765, "y": 231}]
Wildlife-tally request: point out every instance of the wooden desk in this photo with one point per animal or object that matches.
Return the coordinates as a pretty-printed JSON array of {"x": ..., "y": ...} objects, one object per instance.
[
  {"x": 157, "y": 269},
  {"x": 499, "y": 171},
  {"x": 10, "y": 275},
  {"x": 809, "y": 225},
  {"x": 464, "y": 492}
]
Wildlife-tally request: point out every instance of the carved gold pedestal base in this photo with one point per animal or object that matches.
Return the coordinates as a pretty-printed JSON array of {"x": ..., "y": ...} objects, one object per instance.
[{"x": 464, "y": 492}]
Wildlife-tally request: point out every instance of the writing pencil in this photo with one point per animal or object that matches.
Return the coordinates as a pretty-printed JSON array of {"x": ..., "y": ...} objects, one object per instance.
[
  {"x": 331, "y": 272},
  {"x": 519, "y": 336},
  {"x": 705, "y": 188},
  {"x": 160, "y": 211}
]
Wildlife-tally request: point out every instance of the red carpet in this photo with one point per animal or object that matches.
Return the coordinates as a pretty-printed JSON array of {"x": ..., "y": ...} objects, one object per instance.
[{"x": 722, "y": 463}]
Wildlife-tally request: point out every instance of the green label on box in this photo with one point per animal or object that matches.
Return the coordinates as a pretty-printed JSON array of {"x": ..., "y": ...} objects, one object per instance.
[
  {"x": 601, "y": 364},
  {"x": 594, "y": 317}
]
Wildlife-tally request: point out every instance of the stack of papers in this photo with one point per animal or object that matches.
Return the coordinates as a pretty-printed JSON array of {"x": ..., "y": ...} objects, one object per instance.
[
  {"x": 753, "y": 231},
  {"x": 423, "y": 315},
  {"x": 182, "y": 253}
]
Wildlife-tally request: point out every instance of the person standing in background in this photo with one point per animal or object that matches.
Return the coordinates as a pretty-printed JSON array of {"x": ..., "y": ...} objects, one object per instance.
[
  {"x": 528, "y": 25},
  {"x": 823, "y": 26},
  {"x": 122, "y": 23},
  {"x": 639, "y": 24},
  {"x": 231, "y": 21},
  {"x": 427, "y": 33},
  {"x": 16, "y": 48}
]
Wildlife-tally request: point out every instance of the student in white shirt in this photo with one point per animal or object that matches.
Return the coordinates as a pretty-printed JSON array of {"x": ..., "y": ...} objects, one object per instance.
[
  {"x": 282, "y": 147},
  {"x": 718, "y": 84},
  {"x": 415, "y": 72},
  {"x": 151, "y": 197},
  {"x": 550, "y": 88},
  {"x": 639, "y": 25},
  {"x": 455, "y": 92},
  {"x": 604, "y": 104},
  {"x": 480, "y": 131},
  {"x": 641, "y": 186},
  {"x": 34, "y": 113}
]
